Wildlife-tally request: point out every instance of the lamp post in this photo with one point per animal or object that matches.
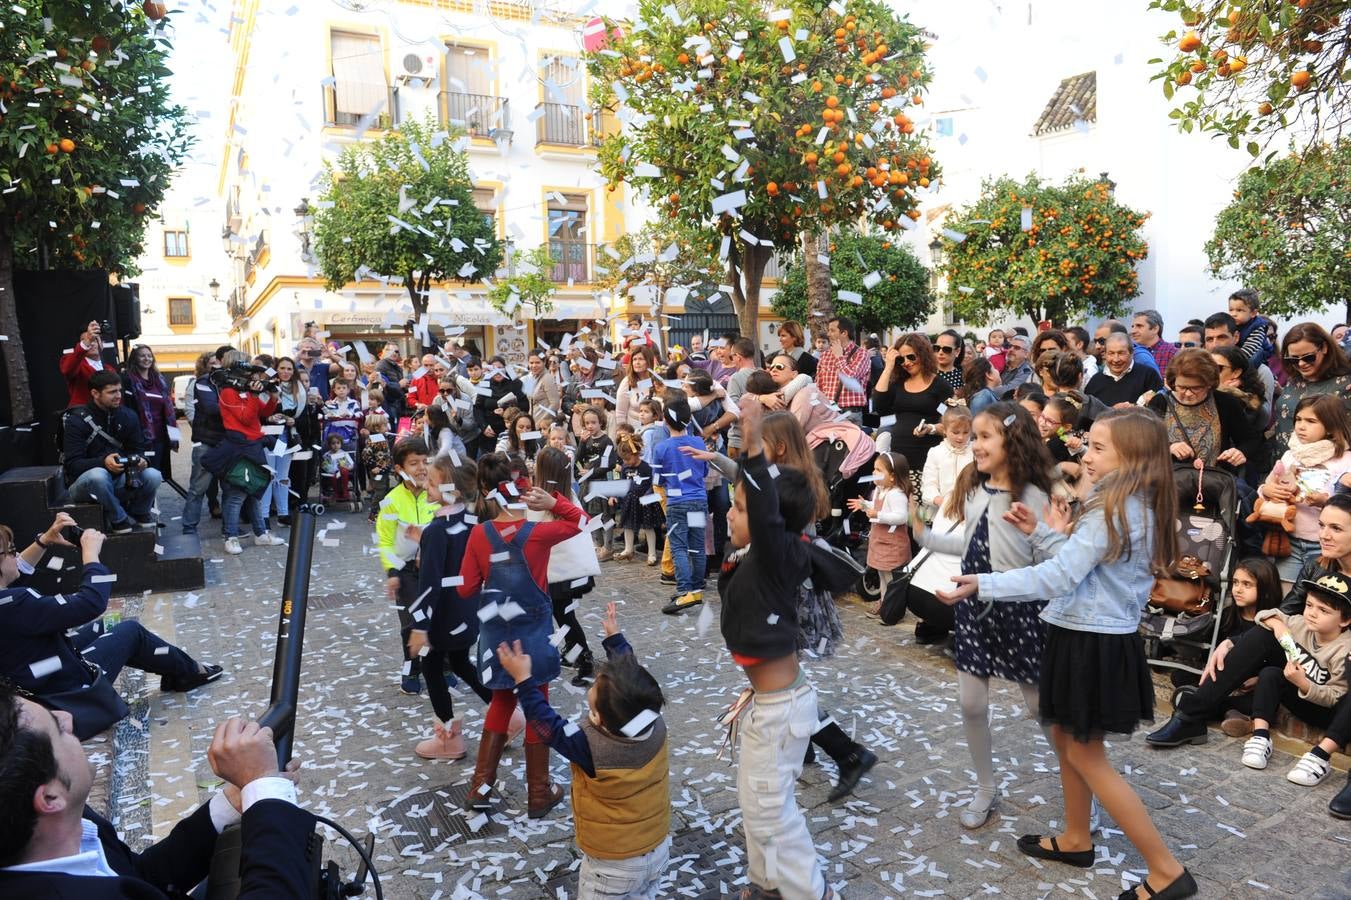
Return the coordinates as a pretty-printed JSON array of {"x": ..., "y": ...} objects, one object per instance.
[
  {"x": 1107, "y": 182},
  {"x": 214, "y": 286},
  {"x": 304, "y": 227}
]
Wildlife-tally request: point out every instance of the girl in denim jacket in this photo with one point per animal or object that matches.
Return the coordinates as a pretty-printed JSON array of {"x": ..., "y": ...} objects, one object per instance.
[{"x": 1094, "y": 677}]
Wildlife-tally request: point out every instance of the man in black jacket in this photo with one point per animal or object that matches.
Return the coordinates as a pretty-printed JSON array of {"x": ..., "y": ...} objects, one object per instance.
[
  {"x": 100, "y": 437},
  {"x": 54, "y": 846},
  {"x": 207, "y": 431}
]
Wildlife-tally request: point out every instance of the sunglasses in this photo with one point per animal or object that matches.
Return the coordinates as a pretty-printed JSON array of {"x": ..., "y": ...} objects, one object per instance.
[
  {"x": 777, "y": 367},
  {"x": 939, "y": 348},
  {"x": 1186, "y": 345},
  {"x": 908, "y": 357},
  {"x": 1101, "y": 342},
  {"x": 445, "y": 392},
  {"x": 1307, "y": 359}
]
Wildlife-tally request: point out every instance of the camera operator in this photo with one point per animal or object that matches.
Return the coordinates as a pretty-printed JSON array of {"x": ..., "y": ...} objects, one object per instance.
[
  {"x": 53, "y": 845},
  {"x": 79, "y": 364},
  {"x": 103, "y": 457},
  {"x": 57, "y": 648},
  {"x": 246, "y": 398}
]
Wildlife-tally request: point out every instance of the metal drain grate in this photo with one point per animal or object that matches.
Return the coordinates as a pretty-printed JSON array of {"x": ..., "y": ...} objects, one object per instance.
[
  {"x": 340, "y": 599},
  {"x": 427, "y": 819},
  {"x": 700, "y": 863}
]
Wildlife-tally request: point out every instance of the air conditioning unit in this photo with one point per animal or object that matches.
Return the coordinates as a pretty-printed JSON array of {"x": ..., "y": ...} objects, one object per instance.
[{"x": 416, "y": 65}]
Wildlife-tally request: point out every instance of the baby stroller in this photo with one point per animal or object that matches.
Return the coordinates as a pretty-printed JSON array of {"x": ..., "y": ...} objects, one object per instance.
[
  {"x": 1182, "y": 620},
  {"x": 844, "y": 454}
]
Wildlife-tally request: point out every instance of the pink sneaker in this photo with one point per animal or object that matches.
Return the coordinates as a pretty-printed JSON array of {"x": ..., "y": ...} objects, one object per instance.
[
  {"x": 445, "y": 742},
  {"x": 517, "y": 725}
]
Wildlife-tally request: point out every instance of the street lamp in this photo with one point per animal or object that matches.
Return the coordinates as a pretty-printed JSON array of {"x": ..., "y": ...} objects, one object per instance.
[
  {"x": 1107, "y": 183},
  {"x": 936, "y": 256},
  {"x": 214, "y": 286},
  {"x": 304, "y": 225},
  {"x": 227, "y": 241}
]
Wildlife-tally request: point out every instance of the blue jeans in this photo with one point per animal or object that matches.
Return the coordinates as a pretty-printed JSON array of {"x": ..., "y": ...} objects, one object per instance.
[
  {"x": 111, "y": 492},
  {"x": 279, "y": 492},
  {"x": 232, "y": 502},
  {"x": 199, "y": 482},
  {"x": 638, "y": 876},
  {"x": 687, "y": 542}
]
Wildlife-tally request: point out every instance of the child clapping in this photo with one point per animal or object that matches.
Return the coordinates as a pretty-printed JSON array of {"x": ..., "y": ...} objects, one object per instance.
[{"x": 621, "y": 801}]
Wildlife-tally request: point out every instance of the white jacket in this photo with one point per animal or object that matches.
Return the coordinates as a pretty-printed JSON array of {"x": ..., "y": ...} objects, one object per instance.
[
  {"x": 572, "y": 559},
  {"x": 941, "y": 469}
]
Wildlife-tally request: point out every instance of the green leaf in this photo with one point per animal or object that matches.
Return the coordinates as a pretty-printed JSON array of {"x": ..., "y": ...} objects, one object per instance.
[{"x": 1254, "y": 148}]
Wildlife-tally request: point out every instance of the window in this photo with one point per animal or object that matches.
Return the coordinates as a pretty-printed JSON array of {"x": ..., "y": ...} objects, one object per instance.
[
  {"x": 564, "y": 119},
  {"x": 469, "y": 100},
  {"x": 180, "y": 311},
  {"x": 175, "y": 242},
  {"x": 568, "y": 238},
  {"x": 359, "y": 85},
  {"x": 485, "y": 201}
]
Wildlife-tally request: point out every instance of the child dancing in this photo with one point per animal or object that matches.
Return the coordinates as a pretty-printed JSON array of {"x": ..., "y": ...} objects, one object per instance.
[
  {"x": 621, "y": 803},
  {"x": 634, "y": 514},
  {"x": 1094, "y": 676},
  {"x": 403, "y": 513},
  {"x": 506, "y": 566}
]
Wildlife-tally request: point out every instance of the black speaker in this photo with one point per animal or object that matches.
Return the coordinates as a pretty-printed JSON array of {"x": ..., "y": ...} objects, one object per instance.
[{"x": 127, "y": 311}]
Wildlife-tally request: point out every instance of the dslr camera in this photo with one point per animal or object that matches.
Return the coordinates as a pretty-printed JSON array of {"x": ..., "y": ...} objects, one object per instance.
[
  {"x": 131, "y": 463},
  {"x": 239, "y": 376}
]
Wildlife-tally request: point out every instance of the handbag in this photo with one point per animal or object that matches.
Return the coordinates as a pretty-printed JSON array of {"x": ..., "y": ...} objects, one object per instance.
[
  {"x": 897, "y": 598},
  {"x": 249, "y": 477},
  {"x": 833, "y": 569},
  {"x": 1185, "y": 590},
  {"x": 95, "y": 707}
]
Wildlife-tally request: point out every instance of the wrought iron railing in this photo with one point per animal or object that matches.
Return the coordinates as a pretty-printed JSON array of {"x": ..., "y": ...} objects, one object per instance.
[
  {"x": 566, "y": 124},
  {"x": 477, "y": 114}
]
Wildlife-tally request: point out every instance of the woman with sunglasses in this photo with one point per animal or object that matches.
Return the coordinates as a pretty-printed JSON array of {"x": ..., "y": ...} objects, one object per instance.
[
  {"x": 950, "y": 351},
  {"x": 1316, "y": 365},
  {"x": 912, "y": 397}
]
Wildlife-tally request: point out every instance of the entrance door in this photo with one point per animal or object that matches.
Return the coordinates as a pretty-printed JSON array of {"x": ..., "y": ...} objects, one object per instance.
[{"x": 707, "y": 320}]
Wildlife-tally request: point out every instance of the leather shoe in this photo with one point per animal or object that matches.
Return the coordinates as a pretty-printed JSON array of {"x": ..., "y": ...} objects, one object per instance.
[
  {"x": 1030, "y": 845},
  {"x": 1183, "y": 886},
  {"x": 1178, "y": 731},
  {"x": 185, "y": 683},
  {"x": 852, "y": 768},
  {"x": 1341, "y": 804}
]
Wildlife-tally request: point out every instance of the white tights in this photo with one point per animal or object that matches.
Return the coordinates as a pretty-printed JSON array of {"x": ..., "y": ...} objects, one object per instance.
[{"x": 974, "y": 694}]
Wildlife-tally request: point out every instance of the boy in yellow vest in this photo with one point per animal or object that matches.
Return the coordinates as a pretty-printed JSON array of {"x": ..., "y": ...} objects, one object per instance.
[{"x": 621, "y": 799}]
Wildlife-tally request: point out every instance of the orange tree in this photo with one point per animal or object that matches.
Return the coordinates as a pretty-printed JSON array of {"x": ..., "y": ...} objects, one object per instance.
[
  {"x": 88, "y": 142},
  {"x": 1288, "y": 230},
  {"x": 1043, "y": 251},
  {"x": 764, "y": 130},
  {"x": 1253, "y": 70}
]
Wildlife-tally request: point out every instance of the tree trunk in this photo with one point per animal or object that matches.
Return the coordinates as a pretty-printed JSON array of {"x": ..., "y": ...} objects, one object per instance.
[
  {"x": 745, "y": 270},
  {"x": 417, "y": 286},
  {"x": 820, "y": 304},
  {"x": 16, "y": 366}
]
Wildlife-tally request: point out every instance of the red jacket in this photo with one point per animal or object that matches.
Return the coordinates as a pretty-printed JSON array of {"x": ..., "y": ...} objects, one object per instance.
[
  {"x": 423, "y": 390},
  {"x": 243, "y": 413},
  {"x": 77, "y": 369}
]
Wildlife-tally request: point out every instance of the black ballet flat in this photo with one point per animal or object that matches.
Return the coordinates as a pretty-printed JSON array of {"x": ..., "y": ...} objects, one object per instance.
[
  {"x": 1030, "y": 845},
  {"x": 1183, "y": 886}
]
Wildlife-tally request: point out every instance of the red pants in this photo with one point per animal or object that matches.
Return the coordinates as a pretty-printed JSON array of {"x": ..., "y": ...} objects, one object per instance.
[{"x": 500, "y": 709}]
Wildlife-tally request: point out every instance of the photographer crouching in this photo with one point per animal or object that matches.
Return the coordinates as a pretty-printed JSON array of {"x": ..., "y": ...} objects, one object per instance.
[
  {"x": 247, "y": 397},
  {"x": 103, "y": 457},
  {"x": 53, "y": 845}
]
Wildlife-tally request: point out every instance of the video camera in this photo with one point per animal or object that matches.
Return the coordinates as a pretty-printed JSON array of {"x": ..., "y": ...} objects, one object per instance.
[
  {"x": 131, "y": 463},
  {"x": 223, "y": 882},
  {"x": 240, "y": 376}
]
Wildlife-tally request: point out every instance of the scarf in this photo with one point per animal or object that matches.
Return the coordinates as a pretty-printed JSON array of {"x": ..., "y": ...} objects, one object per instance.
[{"x": 1312, "y": 454}]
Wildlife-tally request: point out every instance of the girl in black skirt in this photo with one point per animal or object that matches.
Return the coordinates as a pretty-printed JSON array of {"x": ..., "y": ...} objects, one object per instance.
[
  {"x": 1094, "y": 676},
  {"x": 635, "y": 515}
]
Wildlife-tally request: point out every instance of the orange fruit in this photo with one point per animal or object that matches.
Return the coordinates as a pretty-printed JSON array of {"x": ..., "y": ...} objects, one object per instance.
[
  {"x": 832, "y": 102},
  {"x": 1300, "y": 80},
  {"x": 52, "y": 148},
  {"x": 1265, "y": 109},
  {"x": 874, "y": 106},
  {"x": 1190, "y": 41},
  {"x": 838, "y": 156},
  {"x": 154, "y": 10},
  {"x": 888, "y": 92},
  {"x": 139, "y": 208},
  {"x": 839, "y": 79},
  {"x": 683, "y": 59},
  {"x": 67, "y": 145},
  {"x": 1185, "y": 78},
  {"x": 816, "y": 87}
]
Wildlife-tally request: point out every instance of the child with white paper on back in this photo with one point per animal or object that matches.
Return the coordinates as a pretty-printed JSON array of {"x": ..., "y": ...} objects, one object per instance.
[{"x": 621, "y": 798}]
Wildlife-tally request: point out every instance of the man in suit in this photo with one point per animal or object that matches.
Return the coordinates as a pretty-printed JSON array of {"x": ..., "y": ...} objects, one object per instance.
[{"x": 54, "y": 846}]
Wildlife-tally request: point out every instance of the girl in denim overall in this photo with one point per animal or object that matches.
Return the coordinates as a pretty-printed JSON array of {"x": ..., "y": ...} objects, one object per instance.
[{"x": 506, "y": 566}]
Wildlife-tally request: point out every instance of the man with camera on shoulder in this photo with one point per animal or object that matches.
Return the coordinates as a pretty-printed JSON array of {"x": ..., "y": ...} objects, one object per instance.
[
  {"x": 103, "y": 457},
  {"x": 53, "y": 845}
]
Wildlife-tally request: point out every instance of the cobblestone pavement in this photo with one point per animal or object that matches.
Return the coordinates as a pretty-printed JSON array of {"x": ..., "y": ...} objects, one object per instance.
[{"x": 1242, "y": 833}]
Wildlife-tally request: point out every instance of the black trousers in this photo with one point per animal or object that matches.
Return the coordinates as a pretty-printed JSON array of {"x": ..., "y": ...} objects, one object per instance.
[
  {"x": 129, "y": 643},
  {"x": 408, "y": 578},
  {"x": 565, "y": 599},
  {"x": 1258, "y": 653},
  {"x": 935, "y": 616},
  {"x": 434, "y": 668}
]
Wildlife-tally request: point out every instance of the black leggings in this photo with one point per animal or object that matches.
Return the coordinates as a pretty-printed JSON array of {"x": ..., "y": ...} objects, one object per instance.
[
  {"x": 1258, "y": 653},
  {"x": 434, "y": 670},
  {"x": 565, "y": 599}
]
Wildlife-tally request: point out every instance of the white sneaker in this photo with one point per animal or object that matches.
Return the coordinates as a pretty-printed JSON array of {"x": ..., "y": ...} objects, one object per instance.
[
  {"x": 1309, "y": 770},
  {"x": 232, "y": 546},
  {"x": 268, "y": 539},
  {"x": 1256, "y": 752}
]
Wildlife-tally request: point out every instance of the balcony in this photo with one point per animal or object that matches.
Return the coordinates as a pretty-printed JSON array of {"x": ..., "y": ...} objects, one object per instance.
[
  {"x": 256, "y": 251},
  {"x": 236, "y": 304},
  {"x": 477, "y": 114},
  {"x": 368, "y": 97},
  {"x": 565, "y": 124},
  {"x": 573, "y": 261}
]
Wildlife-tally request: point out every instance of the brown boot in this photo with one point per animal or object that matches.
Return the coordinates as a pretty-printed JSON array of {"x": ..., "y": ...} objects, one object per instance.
[
  {"x": 490, "y": 748},
  {"x": 542, "y": 794}
]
